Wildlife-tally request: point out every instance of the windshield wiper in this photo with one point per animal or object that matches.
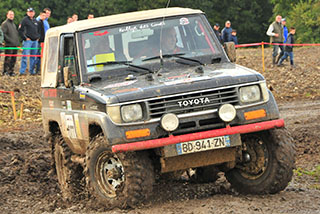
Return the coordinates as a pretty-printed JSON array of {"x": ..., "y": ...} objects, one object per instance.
[
  {"x": 139, "y": 67},
  {"x": 163, "y": 56},
  {"x": 110, "y": 63},
  {"x": 190, "y": 59}
]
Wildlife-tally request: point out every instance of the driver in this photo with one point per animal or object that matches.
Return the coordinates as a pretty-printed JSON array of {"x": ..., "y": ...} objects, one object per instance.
[
  {"x": 169, "y": 41},
  {"x": 168, "y": 44}
]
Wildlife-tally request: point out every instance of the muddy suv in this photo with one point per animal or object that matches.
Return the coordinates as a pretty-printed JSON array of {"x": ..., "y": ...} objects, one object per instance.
[{"x": 130, "y": 96}]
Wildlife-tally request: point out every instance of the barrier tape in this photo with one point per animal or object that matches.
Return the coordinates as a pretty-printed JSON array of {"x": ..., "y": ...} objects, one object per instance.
[
  {"x": 268, "y": 43},
  {"x": 20, "y": 55},
  {"x": 17, "y": 48}
]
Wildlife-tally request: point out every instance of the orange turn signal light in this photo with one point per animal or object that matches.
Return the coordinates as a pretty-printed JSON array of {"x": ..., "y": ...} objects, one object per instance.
[
  {"x": 255, "y": 114},
  {"x": 137, "y": 133}
]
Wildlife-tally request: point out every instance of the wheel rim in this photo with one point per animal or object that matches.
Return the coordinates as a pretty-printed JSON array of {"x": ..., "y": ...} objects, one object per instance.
[
  {"x": 258, "y": 152},
  {"x": 110, "y": 174}
]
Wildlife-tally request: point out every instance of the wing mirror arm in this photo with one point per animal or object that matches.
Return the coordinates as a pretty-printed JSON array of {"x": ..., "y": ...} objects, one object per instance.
[{"x": 67, "y": 77}]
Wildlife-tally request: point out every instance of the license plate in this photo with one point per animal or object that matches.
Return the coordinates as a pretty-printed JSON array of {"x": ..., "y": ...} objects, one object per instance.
[{"x": 203, "y": 145}]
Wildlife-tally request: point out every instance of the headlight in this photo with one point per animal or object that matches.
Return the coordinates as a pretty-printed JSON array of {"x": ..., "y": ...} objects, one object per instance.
[
  {"x": 130, "y": 113},
  {"x": 249, "y": 94}
]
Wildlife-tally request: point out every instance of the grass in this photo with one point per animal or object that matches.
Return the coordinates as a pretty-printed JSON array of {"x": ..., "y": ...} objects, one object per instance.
[{"x": 313, "y": 173}]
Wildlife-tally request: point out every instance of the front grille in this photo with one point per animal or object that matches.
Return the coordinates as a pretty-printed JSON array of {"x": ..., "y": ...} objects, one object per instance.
[{"x": 192, "y": 102}]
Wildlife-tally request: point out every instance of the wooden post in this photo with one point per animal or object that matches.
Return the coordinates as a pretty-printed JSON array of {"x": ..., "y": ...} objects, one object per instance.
[
  {"x": 21, "y": 111},
  {"x": 13, "y": 105},
  {"x": 262, "y": 49}
]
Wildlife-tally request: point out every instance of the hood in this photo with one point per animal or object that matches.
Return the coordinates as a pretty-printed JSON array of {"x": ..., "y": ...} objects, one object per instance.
[{"x": 177, "y": 81}]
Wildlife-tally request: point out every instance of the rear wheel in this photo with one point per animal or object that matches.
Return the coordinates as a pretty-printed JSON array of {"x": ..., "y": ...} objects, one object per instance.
[
  {"x": 69, "y": 174},
  {"x": 268, "y": 163},
  {"x": 117, "y": 180}
]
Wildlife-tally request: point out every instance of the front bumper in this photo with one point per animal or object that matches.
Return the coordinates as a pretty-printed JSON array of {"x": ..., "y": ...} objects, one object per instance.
[{"x": 156, "y": 143}]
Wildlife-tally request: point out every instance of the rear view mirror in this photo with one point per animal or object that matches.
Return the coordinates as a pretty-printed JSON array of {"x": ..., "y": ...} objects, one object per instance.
[{"x": 230, "y": 49}]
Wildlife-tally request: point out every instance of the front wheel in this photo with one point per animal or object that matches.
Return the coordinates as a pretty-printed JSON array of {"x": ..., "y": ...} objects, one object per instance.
[
  {"x": 117, "y": 180},
  {"x": 267, "y": 164}
]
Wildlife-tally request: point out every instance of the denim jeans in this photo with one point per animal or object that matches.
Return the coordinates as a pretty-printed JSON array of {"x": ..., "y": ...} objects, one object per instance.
[
  {"x": 286, "y": 54},
  {"x": 24, "y": 59},
  {"x": 38, "y": 61}
]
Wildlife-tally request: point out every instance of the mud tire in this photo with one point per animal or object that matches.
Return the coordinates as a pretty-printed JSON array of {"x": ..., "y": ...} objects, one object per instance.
[
  {"x": 268, "y": 174},
  {"x": 69, "y": 174},
  {"x": 120, "y": 180}
]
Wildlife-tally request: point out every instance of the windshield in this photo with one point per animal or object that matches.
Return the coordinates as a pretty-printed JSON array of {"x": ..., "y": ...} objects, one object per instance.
[{"x": 109, "y": 48}]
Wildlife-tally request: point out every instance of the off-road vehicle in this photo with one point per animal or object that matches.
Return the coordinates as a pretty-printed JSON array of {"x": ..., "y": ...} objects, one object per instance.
[{"x": 128, "y": 96}]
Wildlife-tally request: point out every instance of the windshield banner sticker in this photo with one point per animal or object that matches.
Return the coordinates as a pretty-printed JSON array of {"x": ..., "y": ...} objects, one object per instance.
[
  {"x": 134, "y": 28},
  {"x": 120, "y": 84},
  {"x": 184, "y": 21}
]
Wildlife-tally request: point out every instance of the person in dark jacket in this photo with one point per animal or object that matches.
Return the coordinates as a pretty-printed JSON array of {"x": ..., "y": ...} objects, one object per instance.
[
  {"x": 29, "y": 32},
  {"x": 226, "y": 32},
  {"x": 11, "y": 39},
  {"x": 216, "y": 28},
  {"x": 288, "y": 49}
]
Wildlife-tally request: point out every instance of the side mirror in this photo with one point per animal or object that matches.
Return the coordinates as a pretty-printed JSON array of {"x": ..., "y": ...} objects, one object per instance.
[
  {"x": 67, "y": 76},
  {"x": 230, "y": 49}
]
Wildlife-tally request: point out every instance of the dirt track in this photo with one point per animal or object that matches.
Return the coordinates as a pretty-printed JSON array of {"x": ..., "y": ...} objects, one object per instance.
[{"x": 28, "y": 186}]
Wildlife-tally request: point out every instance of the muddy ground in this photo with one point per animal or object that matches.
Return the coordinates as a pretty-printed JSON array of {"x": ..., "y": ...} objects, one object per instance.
[{"x": 28, "y": 186}]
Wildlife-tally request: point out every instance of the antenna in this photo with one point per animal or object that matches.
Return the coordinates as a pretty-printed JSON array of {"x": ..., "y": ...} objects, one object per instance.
[{"x": 160, "y": 51}]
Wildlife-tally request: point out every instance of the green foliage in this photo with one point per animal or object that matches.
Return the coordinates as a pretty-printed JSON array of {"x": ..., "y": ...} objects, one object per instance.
[
  {"x": 251, "y": 18},
  {"x": 305, "y": 18},
  {"x": 313, "y": 173}
]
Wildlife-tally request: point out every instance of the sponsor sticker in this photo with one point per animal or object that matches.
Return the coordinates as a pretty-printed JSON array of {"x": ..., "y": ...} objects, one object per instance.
[
  {"x": 120, "y": 84},
  {"x": 184, "y": 21}
]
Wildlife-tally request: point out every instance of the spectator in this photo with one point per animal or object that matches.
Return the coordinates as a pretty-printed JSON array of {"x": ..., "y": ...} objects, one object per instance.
[
  {"x": 275, "y": 31},
  {"x": 226, "y": 32},
  {"x": 216, "y": 28},
  {"x": 45, "y": 22},
  {"x": 29, "y": 32},
  {"x": 75, "y": 17},
  {"x": 285, "y": 30},
  {"x": 69, "y": 20},
  {"x": 11, "y": 39},
  {"x": 90, "y": 16},
  {"x": 288, "y": 49},
  {"x": 41, "y": 20},
  {"x": 1, "y": 41},
  {"x": 234, "y": 36}
]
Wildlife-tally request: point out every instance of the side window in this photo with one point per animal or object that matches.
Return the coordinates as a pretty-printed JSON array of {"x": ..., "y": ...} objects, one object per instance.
[{"x": 68, "y": 57}]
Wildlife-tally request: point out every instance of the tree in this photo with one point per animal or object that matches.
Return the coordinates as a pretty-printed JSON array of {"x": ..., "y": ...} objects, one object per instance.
[{"x": 305, "y": 18}]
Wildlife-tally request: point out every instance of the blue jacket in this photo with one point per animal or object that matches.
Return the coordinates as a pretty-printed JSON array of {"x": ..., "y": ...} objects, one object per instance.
[
  {"x": 46, "y": 24},
  {"x": 234, "y": 39},
  {"x": 226, "y": 34},
  {"x": 285, "y": 34}
]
